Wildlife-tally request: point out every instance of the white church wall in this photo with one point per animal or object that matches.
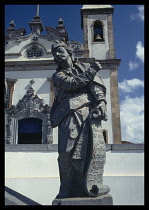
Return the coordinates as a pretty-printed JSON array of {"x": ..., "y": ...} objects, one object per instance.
[
  {"x": 31, "y": 164},
  {"x": 35, "y": 174},
  {"x": 55, "y": 135},
  {"x": 105, "y": 75},
  {"x": 41, "y": 85},
  {"x": 118, "y": 163}
]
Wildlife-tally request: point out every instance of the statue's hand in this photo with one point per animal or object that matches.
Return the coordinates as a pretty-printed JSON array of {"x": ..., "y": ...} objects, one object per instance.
[
  {"x": 102, "y": 107},
  {"x": 96, "y": 66}
]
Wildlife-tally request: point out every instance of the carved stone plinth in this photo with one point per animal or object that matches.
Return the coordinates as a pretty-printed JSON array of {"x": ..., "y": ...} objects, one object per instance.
[{"x": 104, "y": 200}]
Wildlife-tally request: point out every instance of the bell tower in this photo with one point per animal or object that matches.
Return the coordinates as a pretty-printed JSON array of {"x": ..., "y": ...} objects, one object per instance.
[
  {"x": 97, "y": 25},
  {"x": 98, "y": 31}
]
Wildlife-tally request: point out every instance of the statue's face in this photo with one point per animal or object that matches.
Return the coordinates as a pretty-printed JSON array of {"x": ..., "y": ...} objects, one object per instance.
[{"x": 60, "y": 54}]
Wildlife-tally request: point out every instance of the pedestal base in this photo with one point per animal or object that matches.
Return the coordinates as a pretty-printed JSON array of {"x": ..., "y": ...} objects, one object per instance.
[{"x": 104, "y": 200}]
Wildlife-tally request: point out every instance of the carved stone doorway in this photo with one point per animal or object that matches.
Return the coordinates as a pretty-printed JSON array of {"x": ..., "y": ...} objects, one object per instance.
[
  {"x": 30, "y": 131},
  {"x": 30, "y": 108}
]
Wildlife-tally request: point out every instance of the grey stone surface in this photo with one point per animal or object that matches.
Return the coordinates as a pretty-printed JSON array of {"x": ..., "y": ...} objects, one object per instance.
[
  {"x": 9, "y": 202},
  {"x": 108, "y": 147},
  {"x": 54, "y": 147},
  {"x": 14, "y": 198},
  {"x": 121, "y": 147},
  {"x": 104, "y": 200},
  {"x": 30, "y": 147}
]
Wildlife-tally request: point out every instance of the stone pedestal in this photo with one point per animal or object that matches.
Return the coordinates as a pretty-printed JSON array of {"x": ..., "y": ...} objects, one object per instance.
[{"x": 104, "y": 200}]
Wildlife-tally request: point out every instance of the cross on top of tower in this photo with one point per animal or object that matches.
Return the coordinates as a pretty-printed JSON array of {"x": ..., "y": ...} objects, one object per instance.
[{"x": 37, "y": 13}]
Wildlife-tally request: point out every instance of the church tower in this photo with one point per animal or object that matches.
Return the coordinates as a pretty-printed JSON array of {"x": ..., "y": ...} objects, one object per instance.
[{"x": 97, "y": 25}]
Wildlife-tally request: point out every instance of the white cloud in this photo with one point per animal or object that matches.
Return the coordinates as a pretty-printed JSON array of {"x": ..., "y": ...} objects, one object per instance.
[
  {"x": 132, "y": 111},
  {"x": 140, "y": 51},
  {"x": 139, "y": 54},
  {"x": 141, "y": 12},
  {"x": 132, "y": 119},
  {"x": 139, "y": 15},
  {"x": 133, "y": 65},
  {"x": 129, "y": 86}
]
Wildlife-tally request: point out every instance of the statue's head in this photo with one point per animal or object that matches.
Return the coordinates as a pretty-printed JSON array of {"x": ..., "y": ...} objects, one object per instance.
[
  {"x": 61, "y": 52},
  {"x": 56, "y": 44}
]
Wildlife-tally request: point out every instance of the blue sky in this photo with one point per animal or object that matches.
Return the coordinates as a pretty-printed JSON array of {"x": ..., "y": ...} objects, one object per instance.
[{"x": 128, "y": 23}]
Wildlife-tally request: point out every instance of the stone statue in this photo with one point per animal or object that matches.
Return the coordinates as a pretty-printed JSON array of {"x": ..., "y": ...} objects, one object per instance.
[
  {"x": 78, "y": 109},
  {"x": 5, "y": 93}
]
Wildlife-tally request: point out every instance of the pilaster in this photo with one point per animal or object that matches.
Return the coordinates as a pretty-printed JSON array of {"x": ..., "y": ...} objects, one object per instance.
[
  {"x": 112, "y": 54},
  {"x": 115, "y": 108},
  {"x": 85, "y": 34}
]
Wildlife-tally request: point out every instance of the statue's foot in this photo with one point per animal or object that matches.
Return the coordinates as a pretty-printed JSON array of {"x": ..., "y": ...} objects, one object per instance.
[
  {"x": 61, "y": 196},
  {"x": 65, "y": 193},
  {"x": 99, "y": 190}
]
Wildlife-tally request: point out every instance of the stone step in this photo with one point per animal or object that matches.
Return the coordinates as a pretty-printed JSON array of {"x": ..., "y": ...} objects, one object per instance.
[{"x": 14, "y": 198}]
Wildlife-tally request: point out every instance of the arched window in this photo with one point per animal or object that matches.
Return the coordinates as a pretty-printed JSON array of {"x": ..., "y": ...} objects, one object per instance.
[
  {"x": 105, "y": 135},
  {"x": 98, "y": 31},
  {"x": 30, "y": 131},
  {"x": 34, "y": 52}
]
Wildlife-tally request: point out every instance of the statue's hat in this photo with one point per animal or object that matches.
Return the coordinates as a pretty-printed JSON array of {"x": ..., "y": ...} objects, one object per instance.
[{"x": 56, "y": 44}]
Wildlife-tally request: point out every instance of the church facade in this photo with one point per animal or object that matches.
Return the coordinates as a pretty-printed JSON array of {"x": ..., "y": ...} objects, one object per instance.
[{"x": 29, "y": 66}]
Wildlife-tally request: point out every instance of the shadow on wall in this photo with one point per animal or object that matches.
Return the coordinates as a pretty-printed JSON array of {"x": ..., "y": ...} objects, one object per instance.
[{"x": 44, "y": 88}]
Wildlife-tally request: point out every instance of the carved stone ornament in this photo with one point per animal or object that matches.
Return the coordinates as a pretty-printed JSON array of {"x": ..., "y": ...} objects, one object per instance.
[
  {"x": 75, "y": 46},
  {"x": 30, "y": 106}
]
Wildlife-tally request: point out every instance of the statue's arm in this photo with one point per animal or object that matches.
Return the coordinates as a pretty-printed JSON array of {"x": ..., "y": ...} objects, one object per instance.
[{"x": 73, "y": 82}]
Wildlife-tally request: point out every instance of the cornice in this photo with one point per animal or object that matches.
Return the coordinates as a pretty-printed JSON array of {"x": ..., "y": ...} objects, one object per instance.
[
  {"x": 91, "y": 11},
  {"x": 30, "y": 65},
  {"x": 110, "y": 64}
]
